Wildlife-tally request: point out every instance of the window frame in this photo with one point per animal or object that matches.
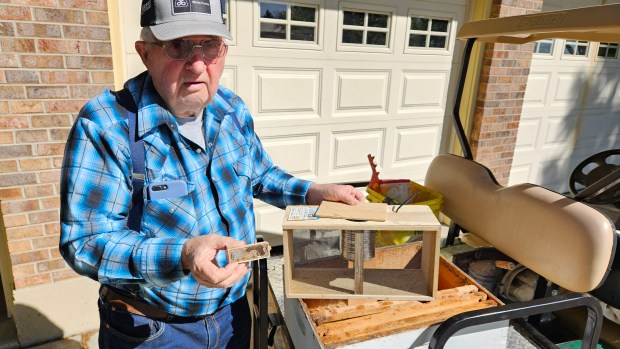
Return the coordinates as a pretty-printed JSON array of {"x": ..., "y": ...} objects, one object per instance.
[
  {"x": 259, "y": 41},
  {"x": 607, "y": 45},
  {"x": 450, "y": 16},
  {"x": 578, "y": 43},
  {"x": 366, "y": 8}
]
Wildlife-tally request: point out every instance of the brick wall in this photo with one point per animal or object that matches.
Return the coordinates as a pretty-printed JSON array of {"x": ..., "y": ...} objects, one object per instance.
[
  {"x": 54, "y": 55},
  {"x": 500, "y": 97}
]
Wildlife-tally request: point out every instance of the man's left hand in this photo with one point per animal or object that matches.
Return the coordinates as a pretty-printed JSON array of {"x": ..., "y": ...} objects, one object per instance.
[{"x": 333, "y": 192}]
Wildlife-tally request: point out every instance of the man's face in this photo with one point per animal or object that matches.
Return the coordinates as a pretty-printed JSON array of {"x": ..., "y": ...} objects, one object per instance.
[{"x": 186, "y": 86}]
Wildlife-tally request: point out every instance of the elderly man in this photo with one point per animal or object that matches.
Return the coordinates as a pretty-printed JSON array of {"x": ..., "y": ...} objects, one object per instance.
[{"x": 164, "y": 283}]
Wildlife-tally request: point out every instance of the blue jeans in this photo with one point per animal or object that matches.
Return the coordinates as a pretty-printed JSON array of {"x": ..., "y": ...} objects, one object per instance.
[{"x": 230, "y": 327}]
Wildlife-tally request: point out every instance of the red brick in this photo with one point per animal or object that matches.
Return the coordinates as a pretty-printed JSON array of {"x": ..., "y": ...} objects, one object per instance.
[
  {"x": 7, "y": 137},
  {"x": 12, "y": 92},
  {"x": 55, "y": 264},
  {"x": 87, "y": 62},
  {"x": 9, "y": 60},
  {"x": 52, "y": 176},
  {"x": 44, "y": 217},
  {"x": 62, "y": 46},
  {"x": 86, "y": 33},
  {"x": 102, "y": 77},
  {"x": 100, "y": 48},
  {"x": 87, "y": 92},
  {"x": 33, "y": 280},
  {"x": 58, "y": 15},
  {"x": 47, "y": 92},
  {"x": 64, "y": 77},
  {"x": 36, "y": 2},
  {"x": 10, "y": 193},
  {"x": 17, "y": 45},
  {"x": 15, "y": 220},
  {"x": 15, "y": 151},
  {"x": 8, "y": 166},
  {"x": 45, "y": 242},
  {"x": 37, "y": 191},
  {"x": 97, "y": 18},
  {"x": 52, "y": 228},
  {"x": 26, "y": 232},
  {"x": 49, "y": 120},
  {"x": 13, "y": 180},
  {"x": 26, "y": 107},
  {"x": 55, "y": 253},
  {"x": 31, "y": 136},
  {"x": 100, "y": 5},
  {"x": 7, "y": 29},
  {"x": 50, "y": 149},
  {"x": 20, "y": 13},
  {"x": 38, "y": 30},
  {"x": 50, "y": 203},
  {"x": 64, "y": 275},
  {"x": 17, "y": 76},
  {"x": 10, "y": 207},
  {"x": 59, "y": 134},
  {"x": 23, "y": 270},
  {"x": 57, "y": 161},
  {"x": 40, "y": 61},
  {"x": 64, "y": 106},
  {"x": 19, "y": 246},
  {"x": 35, "y": 164}
]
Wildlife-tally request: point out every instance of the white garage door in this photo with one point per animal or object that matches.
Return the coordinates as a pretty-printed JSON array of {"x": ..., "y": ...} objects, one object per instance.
[
  {"x": 571, "y": 109},
  {"x": 329, "y": 82}
]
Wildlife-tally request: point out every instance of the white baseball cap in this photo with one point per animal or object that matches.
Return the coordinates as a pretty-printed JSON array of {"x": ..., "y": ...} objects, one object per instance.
[{"x": 173, "y": 19}]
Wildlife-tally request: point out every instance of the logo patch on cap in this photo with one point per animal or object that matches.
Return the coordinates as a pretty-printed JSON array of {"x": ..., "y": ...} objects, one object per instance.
[{"x": 191, "y": 6}]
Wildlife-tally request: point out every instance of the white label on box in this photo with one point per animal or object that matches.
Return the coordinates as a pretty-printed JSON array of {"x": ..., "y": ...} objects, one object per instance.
[{"x": 302, "y": 213}]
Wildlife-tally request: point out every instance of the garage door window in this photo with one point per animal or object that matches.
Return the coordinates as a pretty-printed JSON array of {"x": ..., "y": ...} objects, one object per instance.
[
  {"x": 544, "y": 47},
  {"x": 576, "y": 48},
  {"x": 608, "y": 50},
  {"x": 365, "y": 28},
  {"x": 288, "y": 21},
  {"x": 428, "y": 32}
]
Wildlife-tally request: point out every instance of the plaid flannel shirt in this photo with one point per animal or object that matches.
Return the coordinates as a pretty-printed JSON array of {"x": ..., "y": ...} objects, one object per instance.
[{"x": 96, "y": 192}]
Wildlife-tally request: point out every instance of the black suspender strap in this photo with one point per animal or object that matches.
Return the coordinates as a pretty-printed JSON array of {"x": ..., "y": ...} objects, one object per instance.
[{"x": 136, "y": 152}]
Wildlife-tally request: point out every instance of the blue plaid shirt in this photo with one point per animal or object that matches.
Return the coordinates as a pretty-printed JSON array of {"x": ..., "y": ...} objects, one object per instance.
[{"x": 96, "y": 190}]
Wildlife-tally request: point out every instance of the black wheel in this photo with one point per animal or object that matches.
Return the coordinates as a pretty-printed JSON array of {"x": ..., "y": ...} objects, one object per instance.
[{"x": 592, "y": 169}]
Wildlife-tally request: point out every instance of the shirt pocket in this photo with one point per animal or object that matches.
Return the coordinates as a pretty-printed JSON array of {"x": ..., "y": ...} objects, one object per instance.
[{"x": 170, "y": 217}]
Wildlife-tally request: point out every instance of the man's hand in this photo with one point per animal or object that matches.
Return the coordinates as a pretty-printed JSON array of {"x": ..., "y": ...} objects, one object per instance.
[
  {"x": 333, "y": 192},
  {"x": 198, "y": 256}
]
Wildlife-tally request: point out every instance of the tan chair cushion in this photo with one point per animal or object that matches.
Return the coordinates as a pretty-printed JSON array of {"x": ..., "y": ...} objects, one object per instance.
[{"x": 565, "y": 241}]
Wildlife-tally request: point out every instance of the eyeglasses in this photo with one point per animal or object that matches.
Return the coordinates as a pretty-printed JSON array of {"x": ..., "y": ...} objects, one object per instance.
[{"x": 182, "y": 50}]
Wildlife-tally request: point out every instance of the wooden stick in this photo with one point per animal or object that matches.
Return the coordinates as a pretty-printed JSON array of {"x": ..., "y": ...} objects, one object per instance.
[
  {"x": 336, "y": 313},
  {"x": 384, "y": 319},
  {"x": 413, "y": 322}
]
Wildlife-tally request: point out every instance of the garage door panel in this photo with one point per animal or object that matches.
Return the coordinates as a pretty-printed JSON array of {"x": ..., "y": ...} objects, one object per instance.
[
  {"x": 537, "y": 90},
  {"x": 349, "y": 149},
  {"x": 602, "y": 93},
  {"x": 568, "y": 88},
  {"x": 519, "y": 173},
  {"x": 229, "y": 77},
  {"x": 297, "y": 153},
  {"x": 424, "y": 91},
  {"x": 416, "y": 144},
  {"x": 359, "y": 91},
  {"x": 527, "y": 138},
  {"x": 558, "y": 131},
  {"x": 287, "y": 93}
]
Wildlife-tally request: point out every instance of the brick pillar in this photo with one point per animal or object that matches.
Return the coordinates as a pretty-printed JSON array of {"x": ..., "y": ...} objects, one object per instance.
[
  {"x": 54, "y": 56},
  {"x": 500, "y": 96}
]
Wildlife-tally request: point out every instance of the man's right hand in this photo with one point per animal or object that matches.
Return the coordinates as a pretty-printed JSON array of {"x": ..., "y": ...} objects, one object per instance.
[{"x": 198, "y": 256}]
